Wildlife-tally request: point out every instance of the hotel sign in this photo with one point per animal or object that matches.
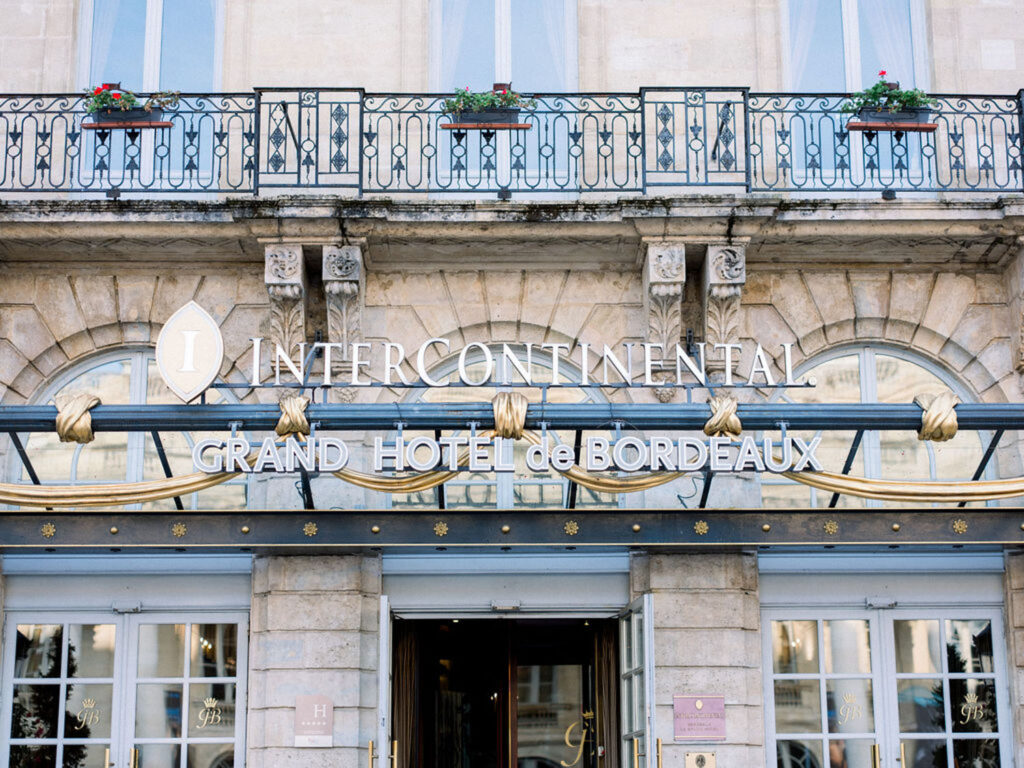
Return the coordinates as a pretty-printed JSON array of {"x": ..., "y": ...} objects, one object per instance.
[{"x": 190, "y": 353}]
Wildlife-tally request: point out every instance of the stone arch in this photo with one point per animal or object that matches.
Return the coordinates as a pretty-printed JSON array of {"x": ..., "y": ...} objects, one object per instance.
[
  {"x": 51, "y": 323},
  {"x": 959, "y": 321}
]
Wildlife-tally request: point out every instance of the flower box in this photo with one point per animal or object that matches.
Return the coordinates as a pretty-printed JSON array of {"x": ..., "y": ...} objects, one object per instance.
[
  {"x": 905, "y": 115},
  {"x": 492, "y": 115},
  {"x": 133, "y": 115}
]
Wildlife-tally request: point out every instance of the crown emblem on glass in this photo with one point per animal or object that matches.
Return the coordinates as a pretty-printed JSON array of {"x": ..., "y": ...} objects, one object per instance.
[
  {"x": 210, "y": 703},
  {"x": 850, "y": 698},
  {"x": 88, "y": 703},
  {"x": 971, "y": 699}
]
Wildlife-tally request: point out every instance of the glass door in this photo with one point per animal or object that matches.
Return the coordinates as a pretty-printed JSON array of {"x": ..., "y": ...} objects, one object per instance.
[
  {"x": 880, "y": 688},
  {"x": 948, "y": 694},
  {"x": 59, "y": 694},
  {"x": 123, "y": 691}
]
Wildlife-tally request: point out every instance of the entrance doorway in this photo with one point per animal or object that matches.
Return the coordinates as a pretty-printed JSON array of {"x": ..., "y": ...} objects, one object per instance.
[{"x": 489, "y": 693}]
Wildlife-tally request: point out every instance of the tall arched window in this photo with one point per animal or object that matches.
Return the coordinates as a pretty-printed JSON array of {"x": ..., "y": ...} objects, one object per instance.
[
  {"x": 522, "y": 488},
  {"x": 127, "y": 376},
  {"x": 877, "y": 375}
]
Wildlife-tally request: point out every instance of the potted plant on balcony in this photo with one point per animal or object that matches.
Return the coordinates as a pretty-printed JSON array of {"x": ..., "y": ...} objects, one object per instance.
[
  {"x": 500, "y": 105},
  {"x": 886, "y": 102},
  {"x": 110, "y": 103}
]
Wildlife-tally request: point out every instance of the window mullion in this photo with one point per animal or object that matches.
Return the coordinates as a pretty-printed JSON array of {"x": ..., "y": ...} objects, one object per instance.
[
  {"x": 503, "y": 41},
  {"x": 151, "y": 48},
  {"x": 851, "y": 42}
]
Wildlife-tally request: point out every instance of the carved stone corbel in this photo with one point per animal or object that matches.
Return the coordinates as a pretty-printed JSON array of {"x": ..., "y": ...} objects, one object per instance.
[
  {"x": 725, "y": 273},
  {"x": 285, "y": 277},
  {"x": 664, "y": 278},
  {"x": 343, "y": 283}
]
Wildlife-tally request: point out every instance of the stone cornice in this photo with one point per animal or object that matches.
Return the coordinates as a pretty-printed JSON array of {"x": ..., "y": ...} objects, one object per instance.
[{"x": 438, "y": 233}]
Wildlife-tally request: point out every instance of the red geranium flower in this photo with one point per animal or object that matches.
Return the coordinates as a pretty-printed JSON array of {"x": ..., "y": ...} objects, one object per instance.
[
  {"x": 882, "y": 73},
  {"x": 504, "y": 92},
  {"x": 108, "y": 86},
  {"x": 116, "y": 95},
  {"x": 99, "y": 89}
]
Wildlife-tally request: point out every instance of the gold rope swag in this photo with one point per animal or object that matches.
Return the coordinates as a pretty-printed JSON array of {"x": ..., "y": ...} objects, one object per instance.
[{"x": 509, "y": 408}]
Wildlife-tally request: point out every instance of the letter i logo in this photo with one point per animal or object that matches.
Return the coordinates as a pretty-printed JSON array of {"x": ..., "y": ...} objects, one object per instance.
[{"x": 189, "y": 351}]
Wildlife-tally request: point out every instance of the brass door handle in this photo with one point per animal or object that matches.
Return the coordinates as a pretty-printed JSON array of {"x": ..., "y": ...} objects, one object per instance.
[
  {"x": 106, "y": 758},
  {"x": 636, "y": 752},
  {"x": 135, "y": 758},
  {"x": 903, "y": 756},
  {"x": 659, "y": 753},
  {"x": 369, "y": 754},
  {"x": 876, "y": 757},
  {"x": 394, "y": 754}
]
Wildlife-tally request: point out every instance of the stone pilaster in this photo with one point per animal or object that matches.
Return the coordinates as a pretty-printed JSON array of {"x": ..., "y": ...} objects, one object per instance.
[
  {"x": 725, "y": 273},
  {"x": 1014, "y": 590},
  {"x": 285, "y": 277},
  {"x": 314, "y": 631},
  {"x": 707, "y": 640}
]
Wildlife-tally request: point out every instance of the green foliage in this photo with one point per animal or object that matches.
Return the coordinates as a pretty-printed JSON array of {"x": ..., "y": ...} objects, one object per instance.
[
  {"x": 888, "y": 97},
  {"x": 467, "y": 101},
  {"x": 113, "y": 96}
]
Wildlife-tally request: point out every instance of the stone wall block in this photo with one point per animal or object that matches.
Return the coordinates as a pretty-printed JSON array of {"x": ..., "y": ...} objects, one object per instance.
[
  {"x": 50, "y": 360},
  {"x": 313, "y": 611},
  {"x": 764, "y": 325},
  {"x": 17, "y": 288},
  {"x": 27, "y": 382},
  {"x": 23, "y": 326},
  {"x": 795, "y": 304},
  {"x": 950, "y": 298},
  {"x": 990, "y": 289},
  {"x": 135, "y": 298},
  {"x": 701, "y": 572},
  {"x": 909, "y": 296},
  {"x": 97, "y": 298},
  {"x": 338, "y": 757},
  {"x": 56, "y": 303},
  {"x": 979, "y": 325},
  {"x": 739, "y": 685},
  {"x": 107, "y": 335},
  {"x": 613, "y": 324},
  {"x": 172, "y": 293},
  {"x": 77, "y": 345},
  {"x": 832, "y": 296},
  {"x": 870, "y": 294},
  {"x": 504, "y": 295},
  {"x": 706, "y": 647},
  {"x": 726, "y": 609},
  {"x": 296, "y": 573},
  {"x": 283, "y": 685},
  {"x": 467, "y": 292},
  {"x": 758, "y": 288},
  {"x": 216, "y": 294}
]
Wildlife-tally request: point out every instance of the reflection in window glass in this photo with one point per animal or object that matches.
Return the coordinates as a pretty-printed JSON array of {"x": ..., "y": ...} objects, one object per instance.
[
  {"x": 797, "y": 706},
  {"x": 917, "y": 646},
  {"x": 118, "y": 42},
  {"x": 795, "y": 646},
  {"x": 798, "y": 754},
  {"x": 816, "y": 47},
  {"x": 969, "y": 645},
  {"x": 118, "y": 456},
  {"x": 869, "y": 375},
  {"x": 847, "y": 647},
  {"x": 921, "y": 705},
  {"x": 187, "y": 46}
]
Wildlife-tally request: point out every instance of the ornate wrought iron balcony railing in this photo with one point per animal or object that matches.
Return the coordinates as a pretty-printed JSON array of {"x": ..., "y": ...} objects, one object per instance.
[{"x": 656, "y": 141}]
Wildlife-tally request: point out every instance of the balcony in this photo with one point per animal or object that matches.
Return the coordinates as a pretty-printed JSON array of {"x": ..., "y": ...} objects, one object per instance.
[{"x": 657, "y": 142}]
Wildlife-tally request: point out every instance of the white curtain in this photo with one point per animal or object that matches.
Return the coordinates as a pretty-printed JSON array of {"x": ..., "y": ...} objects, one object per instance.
[
  {"x": 453, "y": 35},
  {"x": 886, "y": 42},
  {"x": 554, "y": 28},
  {"x": 802, "y": 15},
  {"x": 104, "y": 19}
]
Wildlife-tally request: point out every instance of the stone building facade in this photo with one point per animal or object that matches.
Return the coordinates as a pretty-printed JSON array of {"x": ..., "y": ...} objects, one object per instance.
[{"x": 846, "y": 633}]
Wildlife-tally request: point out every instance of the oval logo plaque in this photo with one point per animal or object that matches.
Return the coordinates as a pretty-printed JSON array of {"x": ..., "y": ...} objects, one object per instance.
[{"x": 189, "y": 351}]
